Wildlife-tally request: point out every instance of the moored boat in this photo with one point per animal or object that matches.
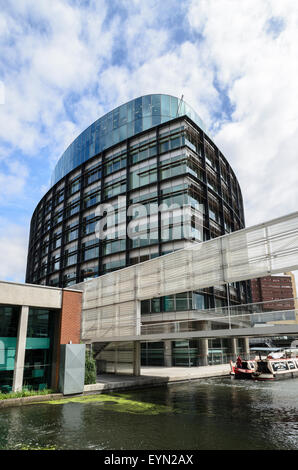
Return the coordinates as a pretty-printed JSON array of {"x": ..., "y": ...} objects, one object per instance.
[
  {"x": 281, "y": 364},
  {"x": 273, "y": 368},
  {"x": 243, "y": 369}
]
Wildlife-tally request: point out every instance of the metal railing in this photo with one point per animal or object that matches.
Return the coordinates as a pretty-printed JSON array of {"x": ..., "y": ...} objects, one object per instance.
[{"x": 232, "y": 317}]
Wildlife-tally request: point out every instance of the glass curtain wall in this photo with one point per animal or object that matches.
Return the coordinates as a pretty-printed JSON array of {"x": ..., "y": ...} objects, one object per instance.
[
  {"x": 120, "y": 124},
  {"x": 39, "y": 349},
  {"x": 186, "y": 353},
  {"x": 9, "y": 319}
]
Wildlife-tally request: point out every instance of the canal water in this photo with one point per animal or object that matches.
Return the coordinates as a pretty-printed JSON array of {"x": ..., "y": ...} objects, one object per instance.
[{"x": 217, "y": 413}]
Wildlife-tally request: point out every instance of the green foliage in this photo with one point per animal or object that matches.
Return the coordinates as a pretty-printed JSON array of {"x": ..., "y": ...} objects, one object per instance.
[
  {"x": 120, "y": 403},
  {"x": 90, "y": 369},
  {"x": 24, "y": 393},
  {"x": 38, "y": 448}
]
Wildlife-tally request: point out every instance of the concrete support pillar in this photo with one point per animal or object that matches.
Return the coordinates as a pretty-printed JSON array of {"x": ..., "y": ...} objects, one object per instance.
[
  {"x": 116, "y": 357},
  {"x": 246, "y": 347},
  {"x": 234, "y": 353},
  {"x": 136, "y": 358},
  {"x": 203, "y": 359},
  {"x": 204, "y": 352},
  {"x": 138, "y": 316},
  {"x": 168, "y": 359},
  {"x": 137, "y": 344},
  {"x": 20, "y": 351}
]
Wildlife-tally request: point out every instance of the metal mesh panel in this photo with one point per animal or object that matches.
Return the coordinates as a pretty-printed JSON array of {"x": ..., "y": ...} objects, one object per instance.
[
  {"x": 112, "y": 320},
  {"x": 111, "y": 302},
  {"x": 117, "y": 358}
]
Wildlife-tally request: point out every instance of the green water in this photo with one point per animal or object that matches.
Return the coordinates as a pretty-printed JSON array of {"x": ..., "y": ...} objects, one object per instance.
[{"x": 204, "y": 414}]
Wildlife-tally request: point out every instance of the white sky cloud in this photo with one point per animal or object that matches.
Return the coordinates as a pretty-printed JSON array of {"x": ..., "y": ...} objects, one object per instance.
[
  {"x": 64, "y": 63},
  {"x": 12, "y": 181},
  {"x": 13, "y": 250},
  {"x": 259, "y": 71}
]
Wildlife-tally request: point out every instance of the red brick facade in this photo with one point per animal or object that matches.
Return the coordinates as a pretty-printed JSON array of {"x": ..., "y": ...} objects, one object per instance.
[
  {"x": 71, "y": 314},
  {"x": 69, "y": 328},
  {"x": 273, "y": 288}
]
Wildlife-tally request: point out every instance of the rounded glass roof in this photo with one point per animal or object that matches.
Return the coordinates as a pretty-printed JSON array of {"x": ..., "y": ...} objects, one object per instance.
[{"x": 118, "y": 125}]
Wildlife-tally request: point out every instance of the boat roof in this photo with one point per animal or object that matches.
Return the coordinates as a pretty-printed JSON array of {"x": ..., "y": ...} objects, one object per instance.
[{"x": 266, "y": 349}]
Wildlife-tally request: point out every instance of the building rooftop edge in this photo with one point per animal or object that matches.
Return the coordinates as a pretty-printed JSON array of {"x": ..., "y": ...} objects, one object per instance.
[{"x": 26, "y": 284}]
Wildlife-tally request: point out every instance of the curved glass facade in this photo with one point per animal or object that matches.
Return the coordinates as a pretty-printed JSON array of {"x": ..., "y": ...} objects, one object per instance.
[
  {"x": 123, "y": 122},
  {"x": 115, "y": 201},
  {"x": 163, "y": 158}
]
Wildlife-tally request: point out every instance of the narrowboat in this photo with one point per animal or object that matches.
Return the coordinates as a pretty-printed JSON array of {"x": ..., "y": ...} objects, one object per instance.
[
  {"x": 281, "y": 364},
  {"x": 243, "y": 369},
  {"x": 274, "y": 368}
]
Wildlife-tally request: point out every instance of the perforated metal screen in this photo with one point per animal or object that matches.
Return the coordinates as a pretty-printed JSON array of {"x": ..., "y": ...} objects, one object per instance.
[{"x": 111, "y": 303}]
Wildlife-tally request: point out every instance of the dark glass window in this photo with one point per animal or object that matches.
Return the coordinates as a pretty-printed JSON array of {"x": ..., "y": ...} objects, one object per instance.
[
  {"x": 58, "y": 218},
  {"x": 175, "y": 142},
  {"x": 71, "y": 235},
  {"x": 114, "y": 247},
  {"x": 169, "y": 303},
  {"x": 54, "y": 281},
  {"x": 74, "y": 187},
  {"x": 59, "y": 197},
  {"x": 90, "y": 272},
  {"x": 182, "y": 301},
  {"x": 145, "y": 307},
  {"x": 164, "y": 146},
  {"x": 89, "y": 228},
  {"x": 156, "y": 111},
  {"x": 91, "y": 200},
  {"x": 39, "y": 349},
  {"x": 73, "y": 209},
  {"x": 71, "y": 260},
  {"x": 91, "y": 253},
  {"x": 9, "y": 318},
  {"x": 112, "y": 265},
  {"x": 38, "y": 323},
  {"x": 155, "y": 305},
  {"x": 93, "y": 176}
]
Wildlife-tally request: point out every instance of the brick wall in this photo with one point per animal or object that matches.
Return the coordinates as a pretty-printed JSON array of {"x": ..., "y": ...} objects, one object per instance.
[
  {"x": 70, "y": 328},
  {"x": 273, "y": 288}
]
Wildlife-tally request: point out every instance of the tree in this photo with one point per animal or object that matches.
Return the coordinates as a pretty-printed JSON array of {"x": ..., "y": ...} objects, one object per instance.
[{"x": 90, "y": 368}]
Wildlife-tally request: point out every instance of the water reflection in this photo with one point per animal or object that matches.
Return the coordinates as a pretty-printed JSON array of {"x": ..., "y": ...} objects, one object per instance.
[{"x": 205, "y": 414}]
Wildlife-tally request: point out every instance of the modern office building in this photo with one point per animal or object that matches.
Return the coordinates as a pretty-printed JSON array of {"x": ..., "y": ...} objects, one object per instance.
[
  {"x": 277, "y": 293},
  {"x": 271, "y": 288},
  {"x": 34, "y": 322},
  {"x": 112, "y": 197}
]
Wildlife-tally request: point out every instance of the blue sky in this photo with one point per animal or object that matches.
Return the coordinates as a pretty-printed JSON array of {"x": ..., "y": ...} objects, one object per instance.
[{"x": 64, "y": 63}]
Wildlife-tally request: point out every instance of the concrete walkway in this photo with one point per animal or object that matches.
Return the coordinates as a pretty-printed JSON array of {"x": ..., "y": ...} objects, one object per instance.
[
  {"x": 154, "y": 376},
  {"x": 186, "y": 373}
]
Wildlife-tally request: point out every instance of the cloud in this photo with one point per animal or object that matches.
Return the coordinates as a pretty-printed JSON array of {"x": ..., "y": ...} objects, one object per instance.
[
  {"x": 2, "y": 93},
  {"x": 65, "y": 63},
  {"x": 251, "y": 46},
  {"x": 54, "y": 50},
  {"x": 13, "y": 250},
  {"x": 13, "y": 178}
]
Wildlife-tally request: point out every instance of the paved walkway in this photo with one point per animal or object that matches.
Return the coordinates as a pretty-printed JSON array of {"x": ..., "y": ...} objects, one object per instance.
[
  {"x": 186, "y": 373},
  {"x": 153, "y": 376}
]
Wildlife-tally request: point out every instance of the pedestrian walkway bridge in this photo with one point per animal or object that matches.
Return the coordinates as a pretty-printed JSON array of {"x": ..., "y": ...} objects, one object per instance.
[
  {"x": 111, "y": 303},
  {"x": 251, "y": 320}
]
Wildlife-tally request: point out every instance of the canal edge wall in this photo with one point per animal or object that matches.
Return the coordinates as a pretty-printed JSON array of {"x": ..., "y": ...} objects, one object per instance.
[{"x": 116, "y": 382}]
